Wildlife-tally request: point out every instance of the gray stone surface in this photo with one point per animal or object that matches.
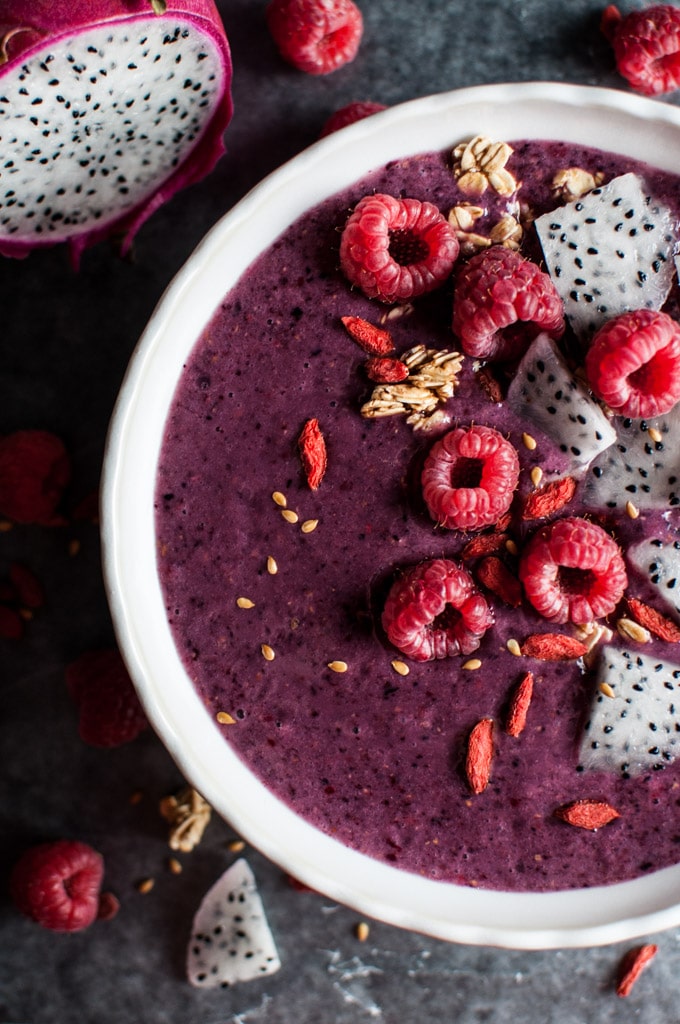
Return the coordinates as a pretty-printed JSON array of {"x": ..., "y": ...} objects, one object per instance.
[{"x": 65, "y": 342}]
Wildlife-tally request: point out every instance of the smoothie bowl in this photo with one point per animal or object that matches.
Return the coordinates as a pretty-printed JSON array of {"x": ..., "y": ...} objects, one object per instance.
[{"x": 396, "y": 586}]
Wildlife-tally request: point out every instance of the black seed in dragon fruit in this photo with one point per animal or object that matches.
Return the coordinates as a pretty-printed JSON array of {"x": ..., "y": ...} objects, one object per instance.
[
  {"x": 608, "y": 252},
  {"x": 642, "y": 466},
  {"x": 545, "y": 392},
  {"x": 107, "y": 109},
  {"x": 657, "y": 560},
  {"x": 634, "y": 726},
  {"x": 231, "y": 940}
]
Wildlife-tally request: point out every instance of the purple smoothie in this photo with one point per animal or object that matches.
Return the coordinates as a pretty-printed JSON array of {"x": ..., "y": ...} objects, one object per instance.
[{"x": 369, "y": 756}]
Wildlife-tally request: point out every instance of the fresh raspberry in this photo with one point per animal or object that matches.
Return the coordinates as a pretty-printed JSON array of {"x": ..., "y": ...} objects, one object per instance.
[
  {"x": 34, "y": 471},
  {"x": 646, "y": 47},
  {"x": 397, "y": 249},
  {"x": 633, "y": 363},
  {"x": 435, "y": 611},
  {"x": 316, "y": 36},
  {"x": 110, "y": 713},
  {"x": 573, "y": 571},
  {"x": 57, "y": 884},
  {"x": 469, "y": 478},
  {"x": 501, "y": 302},
  {"x": 350, "y": 113}
]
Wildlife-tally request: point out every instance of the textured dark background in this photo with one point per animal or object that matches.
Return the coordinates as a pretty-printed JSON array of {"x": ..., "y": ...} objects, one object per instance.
[{"x": 65, "y": 340}]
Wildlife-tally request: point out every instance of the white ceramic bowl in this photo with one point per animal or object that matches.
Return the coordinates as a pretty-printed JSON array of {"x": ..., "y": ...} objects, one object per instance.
[{"x": 610, "y": 120}]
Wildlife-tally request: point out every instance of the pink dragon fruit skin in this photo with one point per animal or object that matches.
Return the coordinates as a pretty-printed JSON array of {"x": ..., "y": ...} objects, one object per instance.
[{"x": 31, "y": 29}]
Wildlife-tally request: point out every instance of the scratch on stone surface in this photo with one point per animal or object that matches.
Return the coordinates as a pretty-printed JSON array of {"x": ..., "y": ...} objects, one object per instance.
[
  {"x": 255, "y": 1013},
  {"x": 349, "y": 980}
]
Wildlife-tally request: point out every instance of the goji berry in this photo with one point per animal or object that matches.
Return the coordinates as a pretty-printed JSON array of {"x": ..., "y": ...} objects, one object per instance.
[
  {"x": 374, "y": 340},
  {"x": 313, "y": 453},
  {"x": 519, "y": 705},
  {"x": 588, "y": 814},
  {"x": 632, "y": 966},
  {"x": 485, "y": 544},
  {"x": 655, "y": 622},
  {"x": 479, "y": 755},
  {"x": 497, "y": 578},
  {"x": 490, "y": 384},
  {"x": 553, "y": 647},
  {"x": 549, "y": 499},
  {"x": 385, "y": 370}
]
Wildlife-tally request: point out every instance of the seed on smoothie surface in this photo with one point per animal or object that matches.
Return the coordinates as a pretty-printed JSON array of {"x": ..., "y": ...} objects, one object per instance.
[
  {"x": 244, "y": 602},
  {"x": 272, "y": 567},
  {"x": 289, "y": 515},
  {"x": 309, "y": 525},
  {"x": 279, "y": 499},
  {"x": 268, "y": 652}
]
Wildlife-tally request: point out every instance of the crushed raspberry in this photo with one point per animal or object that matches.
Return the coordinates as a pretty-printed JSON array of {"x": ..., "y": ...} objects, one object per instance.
[
  {"x": 350, "y": 113},
  {"x": 573, "y": 571},
  {"x": 316, "y": 36},
  {"x": 397, "y": 249},
  {"x": 469, "y": 478},
  {"x": 501, "y": 302},
  {"x": 57, "y": 884},
  {"x": 110, "y": 713},
  {"x": 646, "y": 47},
  {"x": 34, "y": 472},
  {"x": 435, "y": 611},
  {"x": 633, "y": 363}
]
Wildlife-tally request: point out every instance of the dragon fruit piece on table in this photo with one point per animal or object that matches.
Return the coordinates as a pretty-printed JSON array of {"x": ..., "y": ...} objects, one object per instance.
[
  {"x": 609, "y": 252},
  {"x": 657, "y": 560},
  {"x": 638, "y": 728},
  {"x": 107, "y": 109},
  {"x": 230, "y": 937},
  {"x": 639, "y": 467},
  {"x": 546, "y": 393}
]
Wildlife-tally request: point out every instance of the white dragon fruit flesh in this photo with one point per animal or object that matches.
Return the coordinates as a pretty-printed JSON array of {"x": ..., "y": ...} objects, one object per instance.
[
  {"x": 546, "y": 393},
  {"x": 657, "y": 559},
  {"x": 107, "y": 109},
  {"x": 638, "y": 728},
  {"x": 230, "y": 937},
  {"x": 609, "y": 252},
  {"x": 639, "y": 467}
]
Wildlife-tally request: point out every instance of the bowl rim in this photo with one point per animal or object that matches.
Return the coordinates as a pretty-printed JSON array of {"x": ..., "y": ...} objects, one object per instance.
[{"x": 514, "y": 920}]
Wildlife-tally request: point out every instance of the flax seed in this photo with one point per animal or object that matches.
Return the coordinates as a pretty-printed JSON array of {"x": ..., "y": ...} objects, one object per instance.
[
  {"x": 279, "y": 499},
  {"x": 309, "y": 525},
  {"x": 174, "y": 866},
  {"x": 337, "y": 666},
  {"x": 529, "y": 442},
  {"x": 272, "y": 567},
  {"x": 536, "y": 475},
  {"x": 245, "y": 602},
  {"x": 473, "y": 664},
  {"x": 224, "y": 718},
  {"x": 236, "y": 846},
  {"x": 514, "y": 648},
  {"x": 400, "y": 667},
  {"x": 511, "y": 547},
  {"x": 145, "y": 885},
  {"x": 632, "y": 511},
  {"x": 607, "y": 690},
  {"x": 362, "y": 931},
  {"x": 267, "y": 652},
  {"x": 289, "y": 515}
]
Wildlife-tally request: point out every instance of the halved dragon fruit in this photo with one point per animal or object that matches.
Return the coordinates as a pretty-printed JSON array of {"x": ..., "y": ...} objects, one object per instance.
[
  {"x": 546, "y": 393},
  {"x": 638, "y": 728},
  {"x": 640, "y": 467},
  {"x": 608, "y": 252},
  {"x": 107, "y": 109},
  {"x": 657, "y": 559},
  {"x": 230, "y": 938}
]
